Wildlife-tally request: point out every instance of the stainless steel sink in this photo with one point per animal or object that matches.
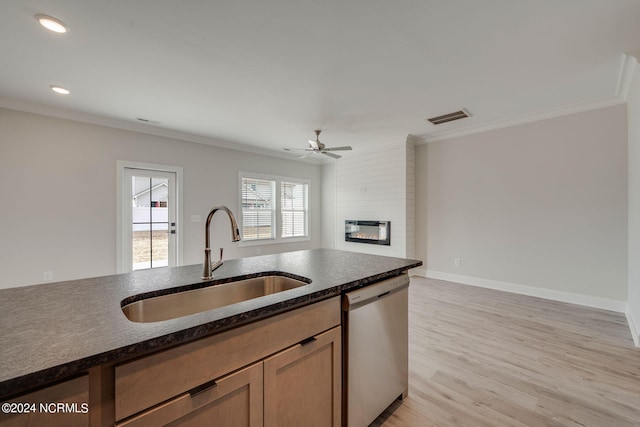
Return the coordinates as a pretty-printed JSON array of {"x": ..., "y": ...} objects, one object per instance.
[{"x": 180, "y": 304}]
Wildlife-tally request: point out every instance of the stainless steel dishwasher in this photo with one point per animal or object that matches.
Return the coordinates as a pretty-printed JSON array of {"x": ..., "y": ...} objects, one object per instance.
[{"x": 376, "y": 354}]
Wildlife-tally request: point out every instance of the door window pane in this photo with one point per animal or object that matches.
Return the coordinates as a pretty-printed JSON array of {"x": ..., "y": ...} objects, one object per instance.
[{"x": 150, "y": 222}]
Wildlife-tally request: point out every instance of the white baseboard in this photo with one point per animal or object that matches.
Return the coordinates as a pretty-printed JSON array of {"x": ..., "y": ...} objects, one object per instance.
[
  {"x": 634, "y": 326},
  {"x": 579, "y": 299},
  {"x": 418, "y": 272}
]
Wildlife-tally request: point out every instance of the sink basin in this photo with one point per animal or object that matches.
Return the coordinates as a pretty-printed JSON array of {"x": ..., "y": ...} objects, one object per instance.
[{"x": 183, "y": 303}]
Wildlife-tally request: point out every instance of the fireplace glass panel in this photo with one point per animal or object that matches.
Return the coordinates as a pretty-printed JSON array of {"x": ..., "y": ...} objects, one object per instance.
[{"x": 373, "y": 232}]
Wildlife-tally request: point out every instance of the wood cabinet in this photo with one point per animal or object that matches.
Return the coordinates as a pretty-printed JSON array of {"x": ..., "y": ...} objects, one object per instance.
[
  {"x": 290, "y": 363},
  {"x": 65, "y": 404},
  {"x": 280, "y": 371},
  {"x": 234, "y": 400},
  {"x": 302, "y": 385}
]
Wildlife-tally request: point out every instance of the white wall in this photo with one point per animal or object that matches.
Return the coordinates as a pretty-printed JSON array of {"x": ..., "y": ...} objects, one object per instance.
[
  {"x": 371, "y": 184},
  {"x": 633, "y": 114},
  {"x": 58, "y": 187},
  {"x": 328, "y": 202},
  {"x": 420, "y": 195},
  {"x": 541, "y": 206}
]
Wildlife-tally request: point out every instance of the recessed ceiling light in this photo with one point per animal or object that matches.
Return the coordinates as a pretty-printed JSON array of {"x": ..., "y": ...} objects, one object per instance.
[
  {"x": 52, "y": 24},
  {"x": 60, "y": 90}
]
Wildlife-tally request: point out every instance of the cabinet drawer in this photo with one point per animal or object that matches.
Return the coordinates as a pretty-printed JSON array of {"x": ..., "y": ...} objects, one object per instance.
[
  {"x": 153, "y": 379},
  {"x": 44, "y": 409},
  {"x": 234, "y": 400}
]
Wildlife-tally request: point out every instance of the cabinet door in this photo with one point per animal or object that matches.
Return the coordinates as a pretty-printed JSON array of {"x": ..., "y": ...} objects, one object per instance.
[
  {"x": 65, "y": 404},
  {"x": 302, "y": 385},
  {"x": 235, "y": 400}
]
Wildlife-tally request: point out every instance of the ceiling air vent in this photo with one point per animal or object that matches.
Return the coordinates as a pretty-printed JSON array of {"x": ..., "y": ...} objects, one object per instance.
[{"x": 449, "y": 117}]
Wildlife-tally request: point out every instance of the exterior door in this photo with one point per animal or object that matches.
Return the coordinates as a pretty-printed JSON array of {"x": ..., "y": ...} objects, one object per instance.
[{"x": 149, "y": 208}]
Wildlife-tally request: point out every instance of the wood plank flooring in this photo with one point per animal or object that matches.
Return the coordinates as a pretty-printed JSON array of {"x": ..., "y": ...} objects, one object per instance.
[{"x": 479, "y": 357}]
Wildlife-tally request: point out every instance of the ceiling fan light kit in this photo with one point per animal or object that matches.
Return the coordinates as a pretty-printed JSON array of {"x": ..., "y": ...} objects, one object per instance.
[{"x": 315, "y": 146}]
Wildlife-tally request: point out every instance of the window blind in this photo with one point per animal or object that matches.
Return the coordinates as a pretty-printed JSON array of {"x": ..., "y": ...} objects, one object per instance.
[
  {"x": 293, "y": 209},
  {"x": 258, "y": 209}
]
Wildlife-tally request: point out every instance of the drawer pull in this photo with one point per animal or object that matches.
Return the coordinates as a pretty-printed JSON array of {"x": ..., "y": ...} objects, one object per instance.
[
  {"x": 202, "y": 388},
  {"x": 307, "y": 341}
]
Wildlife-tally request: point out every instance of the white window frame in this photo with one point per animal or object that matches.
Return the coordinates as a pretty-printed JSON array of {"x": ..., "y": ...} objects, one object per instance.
[
  {"x": 305, "y": 209},
  {"x": 277, "y": 239}
]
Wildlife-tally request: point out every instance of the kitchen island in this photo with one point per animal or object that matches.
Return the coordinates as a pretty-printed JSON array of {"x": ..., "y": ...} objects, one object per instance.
[{"x": 53, "y": 332}]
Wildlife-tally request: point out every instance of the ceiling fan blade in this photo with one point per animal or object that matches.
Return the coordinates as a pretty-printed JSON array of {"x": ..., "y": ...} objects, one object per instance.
[
  {"x": 335, "y": 156},
  {"x": 337, "y": 148},
  {"x": 298, "y": 149}
]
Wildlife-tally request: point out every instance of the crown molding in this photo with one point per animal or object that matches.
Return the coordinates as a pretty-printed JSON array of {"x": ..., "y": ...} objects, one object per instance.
[
  {"x": 628, "y": 69},
  {"x": 525, "y": 118},
  {"x": 62, "y": 113},
  {"x": 629, "y": 66},
  {"x": 413, "y": 140}
]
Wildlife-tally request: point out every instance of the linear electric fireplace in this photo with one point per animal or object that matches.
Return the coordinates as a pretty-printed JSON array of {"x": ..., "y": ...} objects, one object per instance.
[{"x": 373, "y": 232}]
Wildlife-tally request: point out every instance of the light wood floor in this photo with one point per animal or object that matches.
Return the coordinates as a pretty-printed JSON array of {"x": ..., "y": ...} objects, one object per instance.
[{"x": 479, "y": 357}]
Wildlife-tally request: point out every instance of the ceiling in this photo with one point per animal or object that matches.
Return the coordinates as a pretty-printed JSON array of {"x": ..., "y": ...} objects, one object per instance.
[{"x": 263, "y": 74}]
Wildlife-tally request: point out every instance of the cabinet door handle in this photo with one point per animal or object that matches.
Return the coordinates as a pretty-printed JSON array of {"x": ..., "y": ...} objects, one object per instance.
[
  {"x": 307, "y": 341},
  {"x": 202, "y": 388}
]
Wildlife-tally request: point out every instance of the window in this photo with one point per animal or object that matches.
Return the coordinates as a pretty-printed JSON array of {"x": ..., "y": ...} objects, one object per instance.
[
  {"x": 294, "y": 209},
  {"x": 258, "y": 209},
  {"x": 274, "y": 209}
]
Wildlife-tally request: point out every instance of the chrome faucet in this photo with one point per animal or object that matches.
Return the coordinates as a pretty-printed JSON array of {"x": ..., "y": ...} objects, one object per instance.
[{"x": 235, "y": 237}]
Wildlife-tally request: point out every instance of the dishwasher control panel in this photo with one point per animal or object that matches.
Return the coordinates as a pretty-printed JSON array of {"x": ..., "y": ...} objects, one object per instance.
[{"x": 374, "y": 291}]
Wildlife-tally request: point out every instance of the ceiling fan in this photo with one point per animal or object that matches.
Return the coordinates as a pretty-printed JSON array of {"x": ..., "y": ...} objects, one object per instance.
[{"x": 318, "y": 147}]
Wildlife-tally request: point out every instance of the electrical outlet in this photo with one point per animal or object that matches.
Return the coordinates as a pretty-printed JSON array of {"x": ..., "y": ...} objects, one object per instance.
[
  {"x": 456, "y": 262},
  {"x": 48, "y": 276}
]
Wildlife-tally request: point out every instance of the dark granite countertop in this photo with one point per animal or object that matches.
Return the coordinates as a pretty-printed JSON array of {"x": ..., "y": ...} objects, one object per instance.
[{"x": 52, "y": 331}]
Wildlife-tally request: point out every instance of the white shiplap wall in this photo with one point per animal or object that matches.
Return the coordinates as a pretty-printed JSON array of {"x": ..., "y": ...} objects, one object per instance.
[
  {"x": 372, "y": 185},
  {"x": 328, "y": 205}
]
